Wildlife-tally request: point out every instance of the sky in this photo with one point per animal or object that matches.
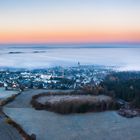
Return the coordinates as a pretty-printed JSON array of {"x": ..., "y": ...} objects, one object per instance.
[{"x": 69, "y": 21}]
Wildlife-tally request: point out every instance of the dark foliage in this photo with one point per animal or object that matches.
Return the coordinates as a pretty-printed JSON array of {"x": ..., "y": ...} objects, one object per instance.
[{"x": 125, "y": 86}]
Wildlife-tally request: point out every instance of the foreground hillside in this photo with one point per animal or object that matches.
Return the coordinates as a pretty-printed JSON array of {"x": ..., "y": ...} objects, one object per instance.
[{"x": 48, "y": 125}]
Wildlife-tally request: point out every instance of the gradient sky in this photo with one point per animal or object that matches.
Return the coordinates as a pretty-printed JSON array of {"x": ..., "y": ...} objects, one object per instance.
[{"x": 62, "y": 21}]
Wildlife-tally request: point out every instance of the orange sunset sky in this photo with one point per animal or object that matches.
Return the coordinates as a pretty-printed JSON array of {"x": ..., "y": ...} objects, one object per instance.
[{"x": 62, "y": 21}]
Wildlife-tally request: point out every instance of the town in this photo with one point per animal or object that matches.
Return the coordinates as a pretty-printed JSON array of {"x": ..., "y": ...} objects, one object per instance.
[{"x": 53, "y": 78}]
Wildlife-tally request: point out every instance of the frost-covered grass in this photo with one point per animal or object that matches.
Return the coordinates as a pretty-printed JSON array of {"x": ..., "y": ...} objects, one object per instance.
[
  {"x": 66, "y": 104},
  {"x": 7, "y": 93},
  {"x": 73, "y": 98},
  {"x": 90, "y": 126}
]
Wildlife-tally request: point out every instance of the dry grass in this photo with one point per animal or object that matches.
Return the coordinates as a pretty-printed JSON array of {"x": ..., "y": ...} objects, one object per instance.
[{"x": 72, "y": 103}]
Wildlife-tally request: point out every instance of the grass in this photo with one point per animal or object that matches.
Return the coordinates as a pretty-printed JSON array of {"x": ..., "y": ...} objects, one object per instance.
[{"x": 80, "y": 105}]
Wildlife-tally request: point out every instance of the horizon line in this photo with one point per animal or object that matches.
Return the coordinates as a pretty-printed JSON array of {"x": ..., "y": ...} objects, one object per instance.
[{"x": 69, "y": 43}]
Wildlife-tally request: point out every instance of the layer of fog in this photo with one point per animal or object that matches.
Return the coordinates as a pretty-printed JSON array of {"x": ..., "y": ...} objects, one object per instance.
[{"x": 126, "y": 58}]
